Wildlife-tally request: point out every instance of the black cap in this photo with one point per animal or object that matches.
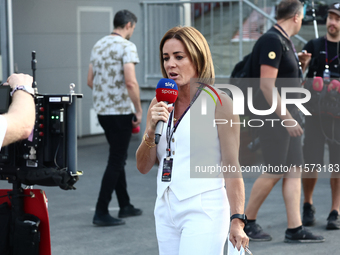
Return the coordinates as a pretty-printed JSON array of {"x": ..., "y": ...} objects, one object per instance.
[{"x": 335, "y": 8}]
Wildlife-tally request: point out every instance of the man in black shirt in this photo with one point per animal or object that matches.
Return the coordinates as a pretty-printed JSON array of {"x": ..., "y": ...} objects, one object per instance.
[
  {"x": 321, "y": 129},
  {"x": 273, "y": 59}
]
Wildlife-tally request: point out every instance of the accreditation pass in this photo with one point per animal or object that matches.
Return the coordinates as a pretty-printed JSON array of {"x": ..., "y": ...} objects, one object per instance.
[{"x": 167, "y": 169}]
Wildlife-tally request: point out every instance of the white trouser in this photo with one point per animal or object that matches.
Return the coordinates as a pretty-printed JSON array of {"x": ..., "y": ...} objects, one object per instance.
[{"x": 198, "y": 225}]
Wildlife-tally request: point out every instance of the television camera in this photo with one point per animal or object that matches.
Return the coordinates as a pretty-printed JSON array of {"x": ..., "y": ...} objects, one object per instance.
[{"x": 47, "y": 158}]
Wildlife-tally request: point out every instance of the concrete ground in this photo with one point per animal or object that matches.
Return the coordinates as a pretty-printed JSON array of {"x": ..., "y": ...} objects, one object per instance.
[{"x": 71, "y": 212}]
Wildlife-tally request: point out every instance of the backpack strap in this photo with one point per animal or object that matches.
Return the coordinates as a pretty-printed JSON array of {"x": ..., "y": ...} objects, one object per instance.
[{"x": 283, "y": 43}]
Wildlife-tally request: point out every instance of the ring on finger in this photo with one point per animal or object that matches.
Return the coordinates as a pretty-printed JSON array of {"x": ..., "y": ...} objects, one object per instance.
[{"x": 159, "y": 114}]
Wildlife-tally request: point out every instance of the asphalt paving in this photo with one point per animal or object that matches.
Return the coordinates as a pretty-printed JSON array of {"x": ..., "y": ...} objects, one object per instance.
[{"x": 71, "y": 212}]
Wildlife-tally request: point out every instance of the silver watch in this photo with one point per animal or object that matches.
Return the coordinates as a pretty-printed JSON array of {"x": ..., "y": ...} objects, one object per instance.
[{"x": 27, "y": 89}]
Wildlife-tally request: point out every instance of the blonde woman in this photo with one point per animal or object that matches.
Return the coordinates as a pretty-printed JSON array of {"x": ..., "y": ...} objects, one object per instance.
[{"x": 192, "y": 214}]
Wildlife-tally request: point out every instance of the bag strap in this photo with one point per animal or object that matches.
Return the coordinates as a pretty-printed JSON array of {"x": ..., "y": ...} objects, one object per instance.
[{"x": 283, "y": 43}]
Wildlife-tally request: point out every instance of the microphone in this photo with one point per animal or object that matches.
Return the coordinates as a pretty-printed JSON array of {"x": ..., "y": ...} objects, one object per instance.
[
  {"x": 334, "y": 85},
  {"x": 337, "y": 87},
  {"x": 318, "y": 83},
  {"x": 167, "y": 92}
]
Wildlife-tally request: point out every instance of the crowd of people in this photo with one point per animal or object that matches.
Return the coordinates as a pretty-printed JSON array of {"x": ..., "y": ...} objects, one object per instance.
[
  {"x": 195, "y": 215},
  {"x": 283, "y": 146}
]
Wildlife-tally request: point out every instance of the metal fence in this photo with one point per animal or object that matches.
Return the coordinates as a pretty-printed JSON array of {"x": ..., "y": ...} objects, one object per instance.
[{"x": 231, "y": 28}]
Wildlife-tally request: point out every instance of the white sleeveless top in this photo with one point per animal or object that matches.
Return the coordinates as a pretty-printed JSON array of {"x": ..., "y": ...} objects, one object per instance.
[{"x": 195, "y": 146}]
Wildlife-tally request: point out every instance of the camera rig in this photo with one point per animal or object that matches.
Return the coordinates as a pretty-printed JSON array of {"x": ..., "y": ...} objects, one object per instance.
[{"x": 49, "y": 156}]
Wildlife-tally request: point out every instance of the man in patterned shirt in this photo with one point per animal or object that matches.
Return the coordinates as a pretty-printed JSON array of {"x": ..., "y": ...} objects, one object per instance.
[{"x": 116, "y": 101}]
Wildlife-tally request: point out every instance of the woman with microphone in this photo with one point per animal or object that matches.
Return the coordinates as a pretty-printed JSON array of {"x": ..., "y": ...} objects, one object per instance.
[{"x": 193, "y": 214}]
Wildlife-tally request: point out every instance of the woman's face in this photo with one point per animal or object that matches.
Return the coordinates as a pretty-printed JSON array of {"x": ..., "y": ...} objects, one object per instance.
[{"x": 177, "y": 62}]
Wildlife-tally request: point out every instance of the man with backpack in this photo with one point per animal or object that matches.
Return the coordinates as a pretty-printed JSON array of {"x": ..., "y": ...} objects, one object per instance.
[
  {"x": 321, "y": 128},
  {"x": 276, "y": 63}
]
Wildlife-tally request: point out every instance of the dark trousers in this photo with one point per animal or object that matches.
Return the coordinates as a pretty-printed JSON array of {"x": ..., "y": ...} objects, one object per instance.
[
  {"x": 118, "y": 130},
  {"x": 316, "y": 128}
]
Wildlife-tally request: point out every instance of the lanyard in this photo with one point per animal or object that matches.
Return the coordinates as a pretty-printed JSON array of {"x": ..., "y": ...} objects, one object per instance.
[
  {"x": 327, "y": 53},
  {"x": 114, "y": 33},
  {"x": 296, "y": 55},
  {"x": 169, "y": 131}
]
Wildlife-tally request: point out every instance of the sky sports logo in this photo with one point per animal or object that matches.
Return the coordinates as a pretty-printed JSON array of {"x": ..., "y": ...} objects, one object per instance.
[
  {"x": 169, "y": 84},
  {"x": 171, "y": 92}
]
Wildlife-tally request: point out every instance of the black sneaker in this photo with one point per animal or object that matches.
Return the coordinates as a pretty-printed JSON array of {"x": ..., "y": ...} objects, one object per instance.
[
  {"x": 303, "y": 236},
  {"x": 308, "y": 218},
  {"x": 255, "y": 232},
  {"x": 333, "y": 220},
  {"x": 129, "y": 211},
  {"x": 106, "y": 219}
]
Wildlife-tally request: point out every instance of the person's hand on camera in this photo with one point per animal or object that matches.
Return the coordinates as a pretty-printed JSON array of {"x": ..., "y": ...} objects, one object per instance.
[
  {"x": 19, "y": 79},
  {"x": 20, "y": 116}
]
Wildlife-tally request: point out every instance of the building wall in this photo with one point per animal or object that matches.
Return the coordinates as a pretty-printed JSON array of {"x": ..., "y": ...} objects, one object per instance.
[{"x": 63, "y": 33}]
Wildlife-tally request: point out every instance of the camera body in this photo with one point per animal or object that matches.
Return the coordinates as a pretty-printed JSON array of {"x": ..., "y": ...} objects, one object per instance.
[{"x": 50, "y": 152}]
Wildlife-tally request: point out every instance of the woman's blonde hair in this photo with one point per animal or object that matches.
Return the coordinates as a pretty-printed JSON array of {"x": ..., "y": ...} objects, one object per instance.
[{"x": 197, "y": 47}]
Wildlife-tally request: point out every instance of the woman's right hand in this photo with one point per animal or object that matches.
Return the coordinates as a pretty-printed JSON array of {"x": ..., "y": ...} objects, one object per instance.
[
  {"x": 159, "y": 112},
  {"x": 146, "y": 154}
]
